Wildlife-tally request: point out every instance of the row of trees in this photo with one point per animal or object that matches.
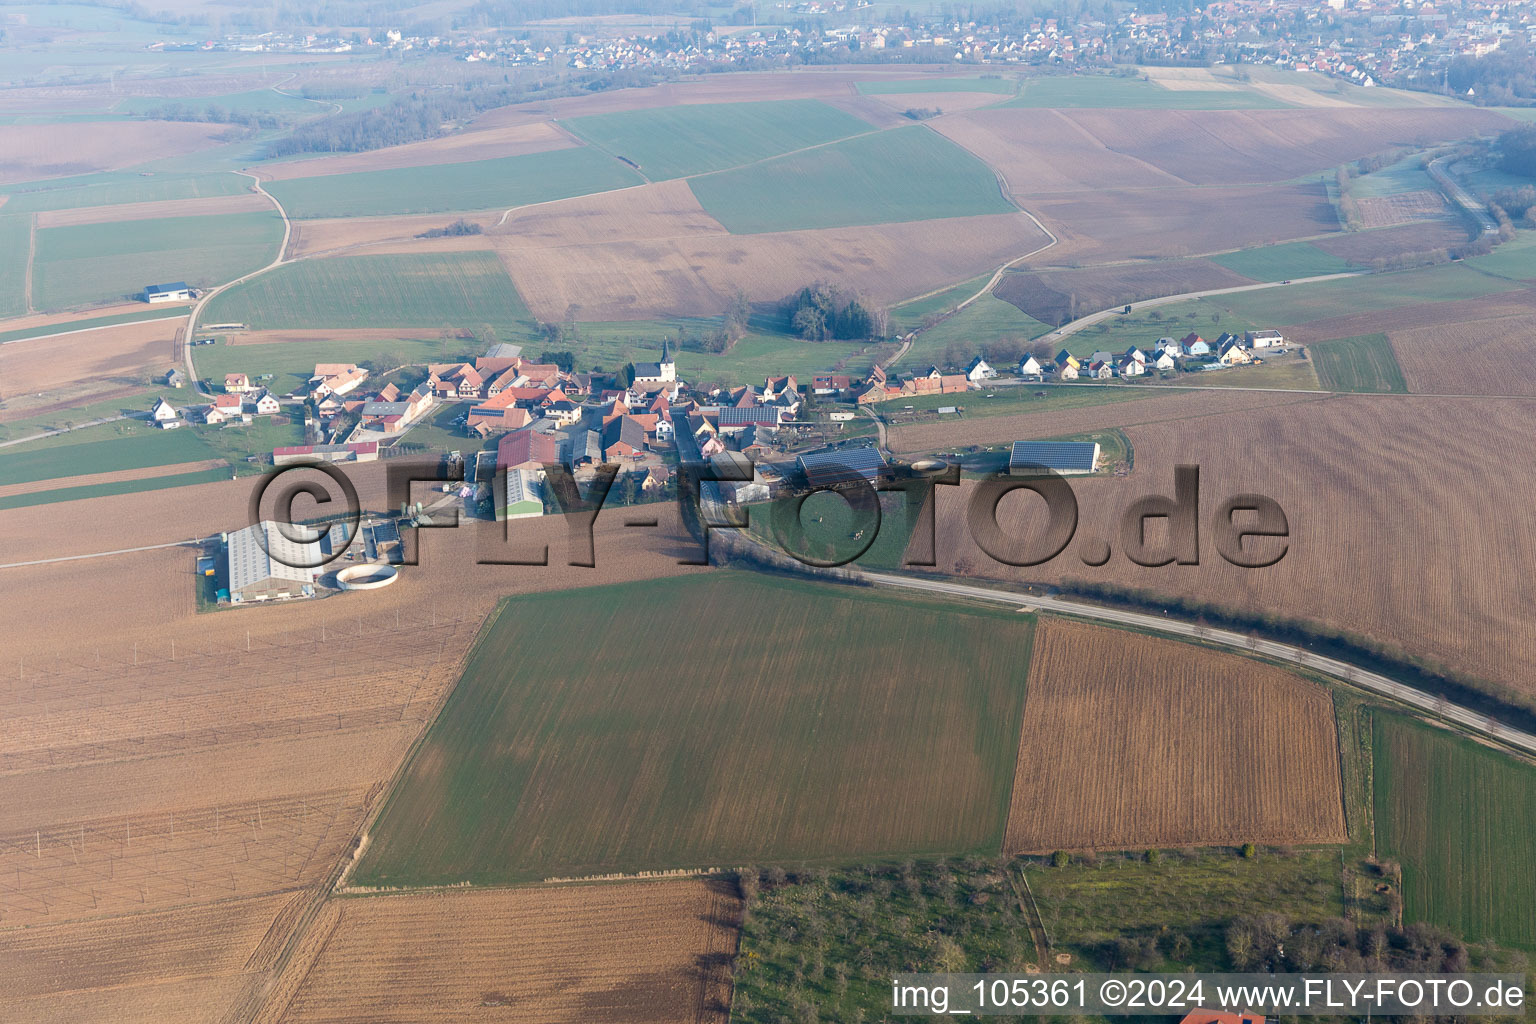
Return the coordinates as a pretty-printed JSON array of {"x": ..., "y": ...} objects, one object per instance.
[
  {"x": 822, "y": 312},
  {"x": 212, "y": 114}
]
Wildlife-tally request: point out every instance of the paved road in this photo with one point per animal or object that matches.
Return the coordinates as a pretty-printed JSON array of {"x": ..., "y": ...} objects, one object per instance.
[
  {"x": 280, "y": 259},
  {"x": 1092, "y": 318},
  {"x": 1284, "y": 652},
  {"x": 1439, "y": 170}
]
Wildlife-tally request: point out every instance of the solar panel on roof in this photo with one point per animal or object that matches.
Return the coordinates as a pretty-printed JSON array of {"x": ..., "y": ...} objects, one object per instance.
[
  {"x": 1059, "y": 455},
  {"x": 834, "y": 466}
]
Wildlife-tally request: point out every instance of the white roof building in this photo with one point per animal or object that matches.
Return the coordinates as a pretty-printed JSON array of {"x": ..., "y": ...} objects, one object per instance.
[{"x": 266, "y": 564}]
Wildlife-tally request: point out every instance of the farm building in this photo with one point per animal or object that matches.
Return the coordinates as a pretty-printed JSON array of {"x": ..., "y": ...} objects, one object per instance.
[
  {"x": 833, "y": 466},
  {"x": 524, "y": 494},
  {"x": 527, "y": 449},
  {"x": 176, "y": 291},
  {"x": 174, "y": 378},
  {"x": 261, "y": 559},
  {"x": 1066, "y": 457},
  {"x": 360, "y": 451}
]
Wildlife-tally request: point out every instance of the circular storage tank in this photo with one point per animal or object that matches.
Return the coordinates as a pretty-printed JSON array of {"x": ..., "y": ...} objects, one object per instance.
[
  {"x": 929, "y": 466},
  {"x": 367, "y": 577}
]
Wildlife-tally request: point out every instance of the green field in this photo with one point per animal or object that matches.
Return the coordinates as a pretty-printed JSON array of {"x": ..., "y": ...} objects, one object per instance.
[
  {"x": 1298, "y": 304},
  {"x": 443, "y": 290},
  {"x": 909, "y": 314},
  {"x": 902, "y": 174},
  {"x": 1001, "y": 86},
  {"x": 1283, "y": 262},
  {"x": 987, "y": 319},
  {"x": 1105, "y": 91},
  {"x": 1514, "y": 259},
  {"x": 111, "y": 188},
  {"x": 15, "y": 241},
  {"x": 474, "y": 185},
  {"x": 670, "y": 142},
  {"x": 794, "y": 721},
  {"x": 103, "y": 449},
  {"x": 85, "y": 412},
  {"x": 1406, "y": 175},
  {"x": 100, "y": 262},
  {"x": 256, "y": 101},
  {"x": 1363, "y": 364},
  {"x": 1458, "y": 817},
  {"x": 153, "y": 483}
]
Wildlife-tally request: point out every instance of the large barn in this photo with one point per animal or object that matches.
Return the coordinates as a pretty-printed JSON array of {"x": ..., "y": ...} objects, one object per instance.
[
  {"x": 266, "y": 565},
  {"x": 1065, "y": 457}
]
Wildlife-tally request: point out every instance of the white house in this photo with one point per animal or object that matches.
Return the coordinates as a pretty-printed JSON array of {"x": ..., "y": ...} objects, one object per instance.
[
  {"x": 1169, "y": 345},
  {"x": 1029, "y": 366},
  {"x": 163, "y": 412},
  {"x": 267, "y": 404},
  {"x": 1069, "y": 370},
  {"x": 1232, "y": 353},
  {"x": 1265, "y": 339},
  {"x": 978, "y": 370},
  {"x": 1164, "y": 360},
  {"x": 1137, "y": 354},
  {"x": 1130, "y": 367}
]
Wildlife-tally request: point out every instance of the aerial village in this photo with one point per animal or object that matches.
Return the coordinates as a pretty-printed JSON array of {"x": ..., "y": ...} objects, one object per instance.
[{"x": 519, "y": 418}]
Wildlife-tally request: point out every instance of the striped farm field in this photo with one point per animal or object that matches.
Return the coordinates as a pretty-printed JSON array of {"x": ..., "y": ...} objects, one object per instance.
[
  {"x": 445, "y": 290},
  {"x": 1282, "y": 262},
  {"x": 114, "y": 187},
  {"x": 15, "y": 240},
  {"x": 1365, "y": 363},
  {"x": 1132, "y": 741},
  {"x": 903, "y": 174},
  {"x": 670, "y": 142},
  {"x": 88, "y": 263},
  {"x": 473, "y": 185},
  {"x": 720, "y": 719},
  {"x": 1458, "y": 817}
]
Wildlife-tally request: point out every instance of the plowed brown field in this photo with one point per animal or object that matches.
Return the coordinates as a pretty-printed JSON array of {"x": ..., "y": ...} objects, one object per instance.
[
  {"x": 482, "y": 144},
  {"x": 1498, "y": 348},
  {"x": 147, "y": 211},
  {"x": 625, "y": 954},
  {"x": 106, "y": 355},
  {"x": 1131, "y": 741},
  {"x": 44, "y": 151},
  {"x": 1376, "y": 490}
]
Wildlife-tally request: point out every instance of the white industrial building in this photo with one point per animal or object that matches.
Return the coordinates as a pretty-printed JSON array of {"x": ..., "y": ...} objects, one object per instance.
[{"x": 267, "y": 565}]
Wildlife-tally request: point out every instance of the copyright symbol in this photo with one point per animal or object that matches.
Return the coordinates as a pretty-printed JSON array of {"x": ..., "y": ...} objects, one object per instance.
[
  {"x": 303, "y": 552},
  {"x": 1112, "y": 993}
]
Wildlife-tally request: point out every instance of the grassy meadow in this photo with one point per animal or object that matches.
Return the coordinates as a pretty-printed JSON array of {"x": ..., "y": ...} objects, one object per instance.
[
  {"x": 112, "y": 188},
  {"x": 15, "y": 241},
  {"x": 443, "y": 290},
  {"x": 903, "y": 174},
  {"x": 88, "y": 263},
  {"x": 671, "y": 142},
  {"x": 1283, "y": 262},
  {"x": 790, "y": 721},
  {"x": 1361, "y": 364},
  {"x": 1298, "y": 304},
  {"x": 472, "y": 185},
  {"x": 102, "y": 449},
  {"x": 1458, "y": 816}
]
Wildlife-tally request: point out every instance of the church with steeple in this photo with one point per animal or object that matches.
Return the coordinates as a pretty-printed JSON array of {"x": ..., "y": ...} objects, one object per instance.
[{"x": 663, "y": 372}]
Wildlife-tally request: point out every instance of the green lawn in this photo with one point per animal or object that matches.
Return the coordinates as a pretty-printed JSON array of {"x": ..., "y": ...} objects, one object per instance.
[
  {"x": 100, "y": 262},
  {"x": 236, "y": 442},
  {"x": 15, "y": 239},
  {"x": 903, "y": 174},
  {"x": 1104, "y": 91},
  {"x": 443, "y": 290},
  {"x": 1365, "y": 363},
  {"x": 712, "y": 720},
  {"x": 827, "y": 526},
  {"x": 1283, "y": 262},
  {"x": 670, "y": 142},
  {"x": 152, "y": 483},
  {"x": 928, "y": 83},
  {"x": 1458, "y": 816},
  {"x": 111, "y": 188},
  {"x": 102, "y": 449},
  {"x": 1406, "y": 175},
  {"x": 474, "y": 185}
]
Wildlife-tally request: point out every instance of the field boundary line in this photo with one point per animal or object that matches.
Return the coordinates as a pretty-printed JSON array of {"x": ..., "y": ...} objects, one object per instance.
[
  {"x": 31, "y": 259},
  {"x": 98, "y": 327},
  {"x": 101, "y": 554}
]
